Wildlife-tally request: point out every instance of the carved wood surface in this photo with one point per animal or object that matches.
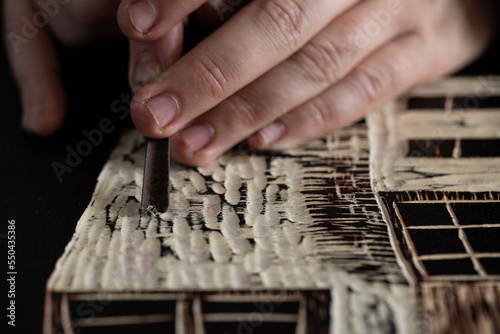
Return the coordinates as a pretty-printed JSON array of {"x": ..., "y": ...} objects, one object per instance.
[{"x": 366, "y": 230}]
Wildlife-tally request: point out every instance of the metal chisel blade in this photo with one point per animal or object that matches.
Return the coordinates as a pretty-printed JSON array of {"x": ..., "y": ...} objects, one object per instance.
[{"x": 156, "y": 182}]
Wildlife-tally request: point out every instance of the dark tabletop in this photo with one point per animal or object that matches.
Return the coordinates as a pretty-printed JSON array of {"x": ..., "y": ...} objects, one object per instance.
[{"x": 44, "y": 208}]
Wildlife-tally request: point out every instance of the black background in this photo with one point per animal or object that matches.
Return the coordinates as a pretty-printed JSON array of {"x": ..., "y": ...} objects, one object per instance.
[{"x": 44, "y": 209}]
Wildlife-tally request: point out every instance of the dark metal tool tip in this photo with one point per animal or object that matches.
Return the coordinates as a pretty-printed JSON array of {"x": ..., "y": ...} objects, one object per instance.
[{"x": 156, "y": 182}]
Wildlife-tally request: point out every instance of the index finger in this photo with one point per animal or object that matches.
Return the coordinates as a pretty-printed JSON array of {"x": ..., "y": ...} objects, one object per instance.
[
  {"x": 260, "y": 36},
  {"x": 149, "y": 20},
  {"x": 35, "y": 68}
]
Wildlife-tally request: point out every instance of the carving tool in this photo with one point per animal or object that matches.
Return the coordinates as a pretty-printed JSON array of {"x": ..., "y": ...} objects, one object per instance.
[{"x": 156, "y": 181}]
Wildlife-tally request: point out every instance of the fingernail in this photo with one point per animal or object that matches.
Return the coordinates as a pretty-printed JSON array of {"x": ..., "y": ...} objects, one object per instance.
[
  {"x": 142, "y": 15},
  {"x": 271, "y": 133},
  {"x": 164, "y": 109},
  {"x": 197, "y": 136},
  {"x": 147, "y": 68}
]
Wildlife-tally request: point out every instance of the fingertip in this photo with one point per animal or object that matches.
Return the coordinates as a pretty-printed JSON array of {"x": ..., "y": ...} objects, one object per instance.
[
  {"x": 137, "y": 19},
  {"x": 44, "y": 106},
  {"x": 144, "y": 68},
  {"x": 181, "y": 152},
  {"x": 143, "y": 16},
  {"x": 36, "y": 71},
  {"x": 42, "y": 120},
  {"x": 143, "y": 119},
  {"x": 149, "y": 60},
  {"x": 255, "y": 142},
  {"x": 149, "y": 20},
  {"x": 267, "y": 136}
]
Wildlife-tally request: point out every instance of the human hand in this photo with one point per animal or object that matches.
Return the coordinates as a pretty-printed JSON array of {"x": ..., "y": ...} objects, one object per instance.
[
  {"x": 282, "y": 72},
  {"x": 28, "y": 30}
]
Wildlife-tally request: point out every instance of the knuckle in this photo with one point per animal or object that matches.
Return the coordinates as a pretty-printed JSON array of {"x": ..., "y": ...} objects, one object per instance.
[
  {"x": 320, "y": 114},
  {"x": 246, "y": 113},
  {"x": 286, "y": 18},
  {"x": 323, "y": 60},
  {"x": 375, "y": 80},
  {"x": 353, "y": 35},
  {"x": 209, "y": 77}
]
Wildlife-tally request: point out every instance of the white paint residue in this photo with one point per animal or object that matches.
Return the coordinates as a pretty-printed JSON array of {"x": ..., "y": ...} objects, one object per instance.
[
  {"x": 198, "y": 181},
  {"x": 211, "y": 210},
  {"x": 242, "y": 222}
]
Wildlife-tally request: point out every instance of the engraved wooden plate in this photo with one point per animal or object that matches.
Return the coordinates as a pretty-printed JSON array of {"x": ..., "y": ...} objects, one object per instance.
[{"x": 391, "y": 225}]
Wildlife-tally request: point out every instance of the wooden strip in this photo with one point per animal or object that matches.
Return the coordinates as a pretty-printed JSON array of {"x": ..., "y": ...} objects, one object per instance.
[
  {"x": 254, "y": 297},
  {"x": 114, "y": 296},
  {"x": 183, "y": 317},
  {"x": 124, "y": 320},
  {"x": 451, "y": 227},
  {"x": 455, "y": 256},
  {"x": 66, "y": 315},
  {"x": 199, "y": 327},
  {"x": 426, "y": 201},
  {"x": 231, "y": 317},
  {"x": 461, "y": 86},
  {"x": 52, "y": 315},
  {"x": 465, "y": 241},
  {"x": 302, "y": 316},
  {"x": 414, "y": 254},
  {"x": 443, "y": 278}
]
